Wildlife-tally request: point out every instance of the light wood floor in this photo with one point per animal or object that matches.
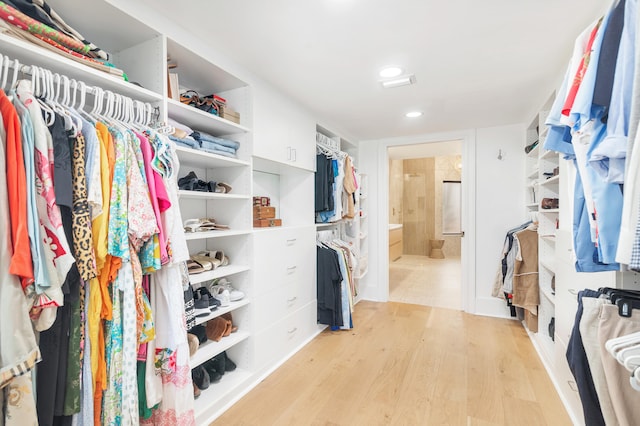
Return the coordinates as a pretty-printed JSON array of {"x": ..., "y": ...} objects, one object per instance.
[
  {"x": 408, "y": 365},
  {"x": 425, "y": 281}
]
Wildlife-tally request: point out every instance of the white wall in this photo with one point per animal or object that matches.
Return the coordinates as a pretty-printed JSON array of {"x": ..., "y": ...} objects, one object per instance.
[
  {"x": 493, "y": 201},
  {"x": 500, "y": 195}
]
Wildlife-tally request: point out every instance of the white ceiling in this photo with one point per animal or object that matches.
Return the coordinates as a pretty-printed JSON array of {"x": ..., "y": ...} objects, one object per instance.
[{"x": 477, "y": 63}]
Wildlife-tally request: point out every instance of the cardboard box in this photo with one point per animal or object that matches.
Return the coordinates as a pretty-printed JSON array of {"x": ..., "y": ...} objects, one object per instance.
[
  {"x": 261, "y": 201},
  {"x": 266, "y": 223},
  {"x": 229, "y": 114},
  {"x": 264, "y": 212}
]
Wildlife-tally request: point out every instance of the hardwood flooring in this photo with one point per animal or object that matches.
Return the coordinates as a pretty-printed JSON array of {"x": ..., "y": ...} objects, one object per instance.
[
  {"x": 425, "y": 281},
  {"x": 408, "y": 365}
]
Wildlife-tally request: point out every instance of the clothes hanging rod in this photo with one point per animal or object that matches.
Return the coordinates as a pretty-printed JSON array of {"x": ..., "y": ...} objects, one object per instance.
[{"x": 6, "y": 62}]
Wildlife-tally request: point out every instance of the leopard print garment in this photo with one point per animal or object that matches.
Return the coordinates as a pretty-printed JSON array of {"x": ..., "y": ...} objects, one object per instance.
[{"x": 82, "y": 235}]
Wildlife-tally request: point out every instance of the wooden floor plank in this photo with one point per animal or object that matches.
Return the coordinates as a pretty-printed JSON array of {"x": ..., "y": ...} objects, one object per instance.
[{"x": 407, "y": 365}]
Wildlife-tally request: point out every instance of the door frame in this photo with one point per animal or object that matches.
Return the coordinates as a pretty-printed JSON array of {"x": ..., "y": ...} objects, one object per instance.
[{"x": 467, "y": 257}]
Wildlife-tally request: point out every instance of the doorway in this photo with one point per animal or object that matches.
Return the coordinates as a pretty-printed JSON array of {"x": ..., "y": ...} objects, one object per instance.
[{"x": 425, "y": 265}]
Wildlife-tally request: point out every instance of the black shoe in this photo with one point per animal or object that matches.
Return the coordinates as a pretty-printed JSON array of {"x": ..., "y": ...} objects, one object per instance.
[
  {"x": 200, "y": 377},
  {"x": 228, "y": 364},
  {"x": 211, "y": 368},
  {"x": 204, "y": 293},
  {"x": 201, "y": 333}
]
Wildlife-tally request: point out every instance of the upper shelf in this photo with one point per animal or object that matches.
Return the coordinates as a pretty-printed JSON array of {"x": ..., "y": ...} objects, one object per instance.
[
  {"x": 123, "y": 31},
  {"x": 203, "y": 121},
  {"x": 548, "y": 154},
  {"x": 553, "y": 180},
  {"x": 30, "y": 54},
  {"x": 194, "y": 157},
  {"x": 534, "y": 152},
  {"x": 197, "y": 73}
]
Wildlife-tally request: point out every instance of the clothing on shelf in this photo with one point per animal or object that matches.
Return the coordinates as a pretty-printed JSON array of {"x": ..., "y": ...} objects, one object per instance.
[
  {"x": 189, "y": 138},
  {"x": 604, "y": 317},
  {"x": 593, "y": 123},
  {"x": 93, "y": 248}
]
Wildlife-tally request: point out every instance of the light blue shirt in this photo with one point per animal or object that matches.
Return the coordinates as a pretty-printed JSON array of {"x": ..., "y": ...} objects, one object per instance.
[{"x": 555, "y": 137}]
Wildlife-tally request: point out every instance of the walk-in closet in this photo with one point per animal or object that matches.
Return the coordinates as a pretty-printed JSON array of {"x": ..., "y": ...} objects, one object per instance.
[{"x": 201, "y": 203}]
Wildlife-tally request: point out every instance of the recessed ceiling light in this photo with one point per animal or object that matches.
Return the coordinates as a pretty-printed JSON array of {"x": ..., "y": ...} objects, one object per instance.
[
  {"x": 390, "y": 72},
  {"x": 413, "y": 114}
]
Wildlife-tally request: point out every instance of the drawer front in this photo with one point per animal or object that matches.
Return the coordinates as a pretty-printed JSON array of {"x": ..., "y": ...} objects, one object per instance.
[
  {"x": 277, "y": 304},
  {"x": 300, "y": 325},
  {"x": 277, "y": 341},
  {"x": 283, "y": 256}
]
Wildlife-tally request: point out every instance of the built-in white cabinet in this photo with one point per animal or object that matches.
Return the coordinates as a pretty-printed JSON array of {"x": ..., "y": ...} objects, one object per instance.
[
  {"x": 275, "y": 267},
  {"x": 284, "y": 133},
  {"x": 286, "y": 267}
]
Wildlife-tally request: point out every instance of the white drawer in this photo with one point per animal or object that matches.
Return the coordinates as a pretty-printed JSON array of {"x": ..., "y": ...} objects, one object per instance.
[
  {"x": 283, "y": 256},
  {"x": 275, "y": 305},
  {"x": 277, "y": 341}
]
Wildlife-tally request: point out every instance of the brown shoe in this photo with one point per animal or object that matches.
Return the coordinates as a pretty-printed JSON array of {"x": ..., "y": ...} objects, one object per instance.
[
  {"x": 549, "y": 203},
  {"x": 216, "y": 328}
]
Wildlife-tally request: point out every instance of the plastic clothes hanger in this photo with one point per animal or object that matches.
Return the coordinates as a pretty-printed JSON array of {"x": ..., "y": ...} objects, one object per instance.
[
  {"x": 5, "y": 72},
  {"x": 37, "y": 90},
  {"x": 634, "y": 380},
  {"x": 617, "y": 343},
  {"x": 2, "y": 60}
]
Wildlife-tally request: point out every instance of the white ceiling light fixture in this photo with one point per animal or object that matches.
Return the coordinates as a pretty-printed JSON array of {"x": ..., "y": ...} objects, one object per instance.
[
  {"x": 390, "y": 72},
  {"x": 405, "y": 80},
  {"x": 413, "y": 114}
]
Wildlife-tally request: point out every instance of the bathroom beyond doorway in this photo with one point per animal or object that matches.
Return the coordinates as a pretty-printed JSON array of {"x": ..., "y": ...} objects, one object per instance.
[{"x": 422, "y": 270}]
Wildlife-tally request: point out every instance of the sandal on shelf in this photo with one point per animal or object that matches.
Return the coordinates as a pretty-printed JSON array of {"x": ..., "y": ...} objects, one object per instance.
[
  {"x": 218, "y": 255},
  {"x": 200, "y": 225},
  {"x": 212, "y": 259},
  {"x": 223, "y": 188},
  {"x": 204, "y": 261},
  {"x": 210, "y": 224},
  {"x": 194, "y": 267}
]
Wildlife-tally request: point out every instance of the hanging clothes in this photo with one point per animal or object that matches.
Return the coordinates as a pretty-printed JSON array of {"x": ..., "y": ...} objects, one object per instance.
[
  {"x": 603, "y": 383},
  {"x": 100, "y": 200}
]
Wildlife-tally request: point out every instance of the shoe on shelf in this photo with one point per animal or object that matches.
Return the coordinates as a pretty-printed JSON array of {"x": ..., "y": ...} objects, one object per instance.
[
  {"x": 223, "y": 188},
  {"x": 228, "y": 364},
  {"x": 216, "y": 328},
  {"x": 224, "y": 283},
  {"x": 217, "y": 256},
  {"x": 549, "y": 203},
  {"x": 194, "y": 343},
  {"x": 214, "y": 368},
  {"x": 230, "y": 328},
  {"x": 200, "y": 377},
  {"x": 200, "y": 332},
  {"x": 196, "y": 391},
  {"x": 204, "y": 293},
  {"x": 201, "y": 304},
  {"x": 222, "y": 294}
]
